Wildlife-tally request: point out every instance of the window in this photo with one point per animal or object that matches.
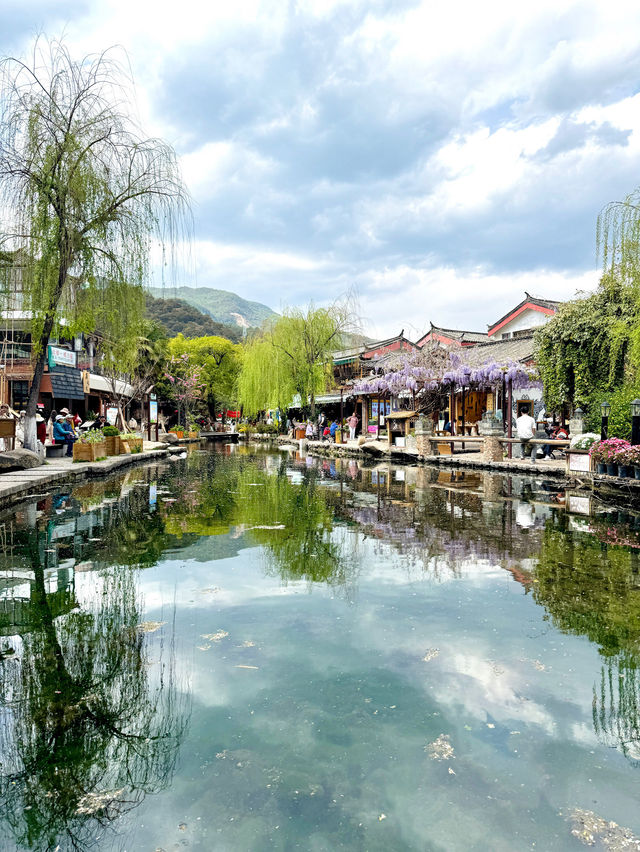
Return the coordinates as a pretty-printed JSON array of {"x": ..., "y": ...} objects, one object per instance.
[{"x": 19, "y": 394}]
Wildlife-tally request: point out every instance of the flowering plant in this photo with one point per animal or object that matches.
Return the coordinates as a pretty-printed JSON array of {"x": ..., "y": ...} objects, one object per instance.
[
  {"x": 584, "y": 441},
  {"x": 607, "y": 451},
  {"x": 630, "y": 456},
  {"x": 93, "y": 436}
]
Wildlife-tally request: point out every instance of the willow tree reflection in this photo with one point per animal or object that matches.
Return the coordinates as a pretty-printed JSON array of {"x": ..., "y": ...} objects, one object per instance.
[
  {"x": 294, "y": 522},
  {"x": 591, "y": 588},
  {"x": 88, "y": 727}
]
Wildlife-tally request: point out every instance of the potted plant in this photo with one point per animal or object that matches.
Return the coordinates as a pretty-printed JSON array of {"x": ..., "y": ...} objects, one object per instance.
[
  {"x": 608, "y": 452},
  {"x": 178, "y": 431},
  {"x": 597, "y": 457},
  {"x": 112, "y": 438},
  {"x": 90, "y": 446},
  {"x": 625, "y": 462},
  {"x": 130, "y": 443},
  {"x": 632, "y": 461}
]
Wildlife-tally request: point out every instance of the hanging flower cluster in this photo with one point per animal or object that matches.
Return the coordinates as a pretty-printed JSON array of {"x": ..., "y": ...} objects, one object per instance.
[{"x": 429, "y": 370}]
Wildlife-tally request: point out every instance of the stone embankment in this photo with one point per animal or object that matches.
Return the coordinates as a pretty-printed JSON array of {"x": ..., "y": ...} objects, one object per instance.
[
  {"x": 16, "y": 484},
  {"x": 608, "y": 487}
]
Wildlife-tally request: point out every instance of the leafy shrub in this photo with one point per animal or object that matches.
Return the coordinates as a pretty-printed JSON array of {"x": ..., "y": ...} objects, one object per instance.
[
  {"x": 93, "y": 436},
  {"x": 110, "y": 431},
  {"x": 129, "y": 436},
  {"x": 267, "y": 429}
]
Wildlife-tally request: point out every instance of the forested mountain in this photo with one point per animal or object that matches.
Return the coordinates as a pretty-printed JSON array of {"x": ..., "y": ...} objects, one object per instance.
[
  {"x": 177, "y": 316},
  {"x": 221, "y": 305}
]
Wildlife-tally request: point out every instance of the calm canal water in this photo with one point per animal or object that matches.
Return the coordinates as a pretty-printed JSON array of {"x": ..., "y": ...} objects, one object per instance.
[{"x": 250, "y": 650}]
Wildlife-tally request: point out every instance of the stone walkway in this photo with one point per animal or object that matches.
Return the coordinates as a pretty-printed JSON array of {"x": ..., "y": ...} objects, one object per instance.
[{"x": 17, "y": 483}]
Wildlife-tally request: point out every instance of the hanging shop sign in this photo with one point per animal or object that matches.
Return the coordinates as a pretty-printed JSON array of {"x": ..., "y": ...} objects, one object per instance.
[{"x": 61, "y": 357}]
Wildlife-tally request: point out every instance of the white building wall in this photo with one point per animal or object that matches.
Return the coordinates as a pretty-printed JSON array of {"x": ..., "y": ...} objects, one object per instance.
[{"x": 523, "y": 322}]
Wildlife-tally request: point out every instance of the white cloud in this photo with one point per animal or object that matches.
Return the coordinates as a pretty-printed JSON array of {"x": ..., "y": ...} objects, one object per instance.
[{"x": 455, "y": 154}]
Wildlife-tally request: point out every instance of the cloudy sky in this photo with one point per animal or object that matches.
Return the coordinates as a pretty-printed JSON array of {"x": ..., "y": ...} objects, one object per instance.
[{"x": 438, "y": 158}]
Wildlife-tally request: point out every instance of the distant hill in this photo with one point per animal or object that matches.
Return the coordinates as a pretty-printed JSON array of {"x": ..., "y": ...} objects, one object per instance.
[
  {"x": 177, "y": 316},
  {"x": 221, "y": 305}
]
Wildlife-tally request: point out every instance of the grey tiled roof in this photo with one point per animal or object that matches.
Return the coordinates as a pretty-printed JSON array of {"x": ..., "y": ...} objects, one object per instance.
[{"x": 502, "y": 351}]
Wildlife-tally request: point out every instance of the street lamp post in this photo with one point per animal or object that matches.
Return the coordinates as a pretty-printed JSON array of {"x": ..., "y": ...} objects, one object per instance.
[
  {"x": 635, "y": 421},
  {"x": 605, "y": 410}
]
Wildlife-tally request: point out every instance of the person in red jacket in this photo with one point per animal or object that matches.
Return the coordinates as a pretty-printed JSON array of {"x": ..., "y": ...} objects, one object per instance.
[{"x": 41, "y": 428}]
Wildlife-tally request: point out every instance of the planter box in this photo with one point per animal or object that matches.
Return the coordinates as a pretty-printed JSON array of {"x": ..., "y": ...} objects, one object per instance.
[
  {"x": 113, "y": 445},
  {"x": 89, "y": 452},
  {"x": 128, "y": 445},
  {"x": 179, "y": 434},
  {"x": 193, "y": 434}
]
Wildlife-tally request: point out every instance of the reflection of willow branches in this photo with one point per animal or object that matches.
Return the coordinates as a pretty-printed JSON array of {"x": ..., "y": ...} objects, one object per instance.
[
  {"x": 88, "y": 731},
  {"x": 294, "y": 524},
  {"x": 589, "y": 588},
  {"x": 616, "y": 706}
]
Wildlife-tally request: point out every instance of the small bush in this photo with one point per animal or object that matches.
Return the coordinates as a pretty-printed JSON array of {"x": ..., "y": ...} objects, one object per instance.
[
  {"x": 110, "y": 431},
  {"x": 93, "y": 436}
]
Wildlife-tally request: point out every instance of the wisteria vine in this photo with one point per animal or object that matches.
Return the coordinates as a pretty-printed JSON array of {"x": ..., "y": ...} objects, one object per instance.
[{"x": 414, "y": 373}]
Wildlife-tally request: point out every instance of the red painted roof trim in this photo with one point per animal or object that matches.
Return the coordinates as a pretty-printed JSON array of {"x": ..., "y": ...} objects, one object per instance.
[{"x": 514, "y": 314}]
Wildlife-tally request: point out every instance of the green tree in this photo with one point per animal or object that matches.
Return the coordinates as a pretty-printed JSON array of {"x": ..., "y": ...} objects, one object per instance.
[
  {"x": 586, "y": 350},
  {"x": 293, "y": 355},
  {"x": 84, "y": 193},
  {"x": 218, "y": 361}
]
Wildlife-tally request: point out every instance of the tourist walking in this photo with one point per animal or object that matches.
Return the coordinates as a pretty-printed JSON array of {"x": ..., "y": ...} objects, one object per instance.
[{"x": 352, "y": 423}]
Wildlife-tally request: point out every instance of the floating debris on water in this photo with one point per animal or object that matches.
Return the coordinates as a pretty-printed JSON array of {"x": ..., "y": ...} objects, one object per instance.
[
  {"x": 94, "y": 803},
  {"x": 441, "y": 748},
  {"x": 213, "y": 590},
  {"x": 150, "y": 626},
  {"x": 431, "y": 654},
  {"x": 203, "y": 647},
  {"x": 247, "y": 644},
  {"x": 381, "y": 817},
  {"x": 182, "y": 826},
  {"x": 246, "y": 667},
  {"x": 539, "y": 666},
  {"x": 451, "y": 772},
  {"x": 591, "y": 829},
  {"x": 215, "y": 637}
]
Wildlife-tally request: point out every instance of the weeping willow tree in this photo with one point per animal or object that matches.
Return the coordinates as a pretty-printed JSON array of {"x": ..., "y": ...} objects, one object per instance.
[
  {"x": 293, "y": 355},
  {"x": 85, "y": 194},
  {"x": 134, "y": 348}
]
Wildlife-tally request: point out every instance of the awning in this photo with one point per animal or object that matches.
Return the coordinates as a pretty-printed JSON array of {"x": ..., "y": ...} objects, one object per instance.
[
  {"x": 66, "y": 383},
  {"x": 326, "y": 398},
  {"x": 99, "y": 383}
]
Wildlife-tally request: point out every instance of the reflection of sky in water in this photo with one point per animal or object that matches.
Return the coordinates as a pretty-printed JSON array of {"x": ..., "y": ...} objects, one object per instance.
[{"x": 311, "y": 719}]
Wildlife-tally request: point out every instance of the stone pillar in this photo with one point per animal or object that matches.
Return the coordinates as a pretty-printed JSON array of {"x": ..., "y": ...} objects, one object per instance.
[
  {"x": 423, "y": 431},
  {"x": 490, "y": 427},
  {"x": 576, "y": 423}
]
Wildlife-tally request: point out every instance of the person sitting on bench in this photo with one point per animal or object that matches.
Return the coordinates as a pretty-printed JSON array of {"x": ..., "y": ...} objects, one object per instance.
[{"x": 63, "y": 434}]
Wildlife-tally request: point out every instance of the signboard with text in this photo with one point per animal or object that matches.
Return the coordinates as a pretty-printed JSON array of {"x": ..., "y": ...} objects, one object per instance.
[
  {"x": 61, "y": 357},
  {"x": 153, "y": 411}
]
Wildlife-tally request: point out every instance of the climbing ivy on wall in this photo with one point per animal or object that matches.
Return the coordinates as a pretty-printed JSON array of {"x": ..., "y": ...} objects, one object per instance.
[{"x": 590, "y": 347}]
